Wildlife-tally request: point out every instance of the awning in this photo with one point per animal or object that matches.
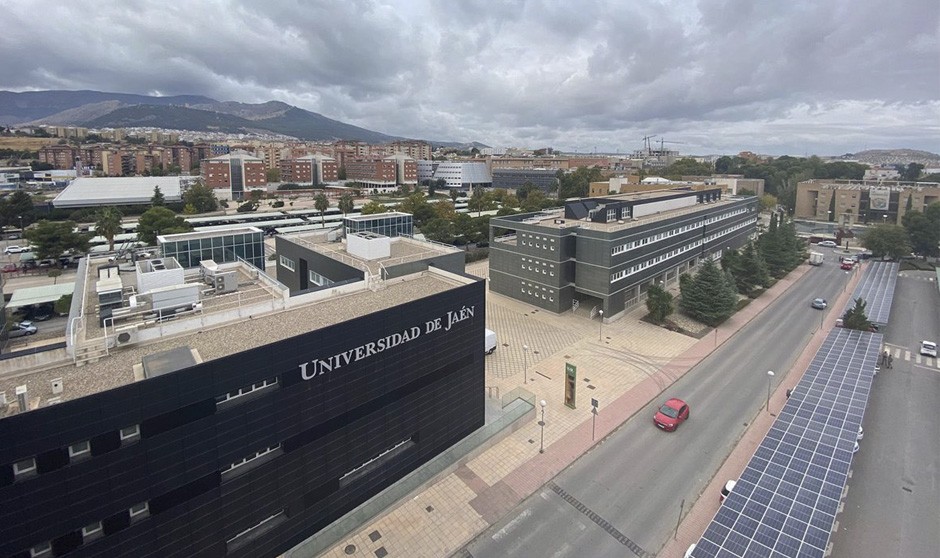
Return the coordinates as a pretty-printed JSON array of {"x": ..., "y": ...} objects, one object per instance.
[{"x": 28, "y": 296}]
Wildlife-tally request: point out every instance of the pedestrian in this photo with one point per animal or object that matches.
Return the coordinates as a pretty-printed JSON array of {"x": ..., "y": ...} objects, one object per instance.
[
  {"x": 789, "y": 391},
  {"x": 890, "y": 361}
]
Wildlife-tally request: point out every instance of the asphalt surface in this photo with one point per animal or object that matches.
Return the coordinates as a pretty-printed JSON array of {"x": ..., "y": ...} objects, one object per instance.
[
  {"x": 893, "y": 504},
  {"x": 624, "y": 498}
]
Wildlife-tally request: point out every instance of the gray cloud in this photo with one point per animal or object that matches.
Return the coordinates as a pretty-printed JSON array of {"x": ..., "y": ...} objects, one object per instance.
[{"x": 718, "y": 75}]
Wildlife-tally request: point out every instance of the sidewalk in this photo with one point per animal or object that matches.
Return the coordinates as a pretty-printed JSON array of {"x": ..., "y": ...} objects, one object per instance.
[{"x": 624, "y": 365}]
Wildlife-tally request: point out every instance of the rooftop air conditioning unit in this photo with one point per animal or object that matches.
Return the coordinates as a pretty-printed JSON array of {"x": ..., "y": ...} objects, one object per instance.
[
  {"x": 56, "y": 386},
  {"x": 126, "y": 337},
  {"x": 22, "y": 398}
]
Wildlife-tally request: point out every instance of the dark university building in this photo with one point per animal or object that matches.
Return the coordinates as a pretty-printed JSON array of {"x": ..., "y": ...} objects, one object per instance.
[{"x": 238, "y": 425}]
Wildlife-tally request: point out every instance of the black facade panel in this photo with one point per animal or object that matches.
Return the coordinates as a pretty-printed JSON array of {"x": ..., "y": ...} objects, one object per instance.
[{"x": 425, "y": 394}]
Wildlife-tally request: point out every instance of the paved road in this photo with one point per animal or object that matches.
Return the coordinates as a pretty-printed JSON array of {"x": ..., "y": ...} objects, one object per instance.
[
  {"x": 894, "y": 499},
  {"x": 623, "y": 498}
]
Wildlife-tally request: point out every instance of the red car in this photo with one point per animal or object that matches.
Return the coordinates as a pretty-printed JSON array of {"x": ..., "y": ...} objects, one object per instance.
[
  {"x": 847, "y": 265},
  {"x": 671, "y": 414},
  {"x": 9, "y": 268}
]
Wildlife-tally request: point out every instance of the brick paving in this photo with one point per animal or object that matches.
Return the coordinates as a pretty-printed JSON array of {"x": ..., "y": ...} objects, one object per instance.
[{"x": 624, "y": 365}]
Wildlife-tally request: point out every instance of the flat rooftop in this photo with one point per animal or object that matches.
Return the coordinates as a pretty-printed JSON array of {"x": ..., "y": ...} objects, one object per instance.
[
  {"x": 404, "y": 249},
  {"x": 549, "y": 219},
  {"x": 258, "y": 314}
]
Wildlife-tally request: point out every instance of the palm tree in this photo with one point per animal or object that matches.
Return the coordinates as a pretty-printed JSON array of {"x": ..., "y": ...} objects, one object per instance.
[
  {"x": 108, "y": 224},
  {"x": 321, "y": 203},
  {"x": 346, "y": 203}
]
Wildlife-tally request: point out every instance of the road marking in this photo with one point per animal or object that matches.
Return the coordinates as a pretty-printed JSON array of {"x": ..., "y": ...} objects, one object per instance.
[
  {"x": 498, "y": 535},
  {"x": 600, "y": 522},
  {"x": 907, "y": 355},
  {"x": 917, "y": 359}
]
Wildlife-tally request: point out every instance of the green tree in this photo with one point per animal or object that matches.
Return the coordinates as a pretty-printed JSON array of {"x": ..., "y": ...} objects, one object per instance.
[
  {"x": 158, "y": 200},
  {"x": 886, "y": 240},
  {"x": 373, "y": 207},
  {"x": 454, "y": 194},
  {"x": 445, "y": 210},
  {"x": 911, "y": 172},
  {"x": 723, "y": 165},
  {"x": 710, "y": 297},
  {"x": 477, "y": 200},
  {"x": 855, "y": 317},
  {"x": 17, "y": 205},
  {"x": 768, "y": 202},
  {"x": 321, "y": 203},
  {"x": 157, "y": 221},
  {"x": 687, "y": 167},
  {"x": 923, "y": 230},
  {"x": 341, "y": 173},
  {"x": 439, "y": 230},
  {"x": 272, "y": 175},
  {"x": 575, "y": 184},
  {"x": 63, "y": 305},
  {"x": 659, "y": 303},
  {"x": 527, "y": 188},
  {"x": 51, "y": 239},
  {"x": 465, "y": 229},
  {"x": 201, "y": 197},
  {"x": 753, "y": 267},
  {"x": 346, "y": 203},
  {"x": 108, "y": 224},
  {"x": 417, "y": 205}
]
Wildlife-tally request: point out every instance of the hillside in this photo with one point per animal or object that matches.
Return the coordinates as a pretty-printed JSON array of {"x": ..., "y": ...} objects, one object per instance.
[
  {"x": 897, "y": 157},
  {"x": 20, "y": 108}
]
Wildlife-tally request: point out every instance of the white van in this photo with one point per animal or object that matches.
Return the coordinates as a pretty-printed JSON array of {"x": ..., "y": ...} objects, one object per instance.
[{"x": 489, "y": 341}]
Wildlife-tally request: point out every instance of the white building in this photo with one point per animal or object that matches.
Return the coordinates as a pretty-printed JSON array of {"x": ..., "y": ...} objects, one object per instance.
[{"x": 461, "y": 175}]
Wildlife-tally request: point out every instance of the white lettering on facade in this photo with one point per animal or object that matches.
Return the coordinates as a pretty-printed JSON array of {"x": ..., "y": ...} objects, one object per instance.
[{"x": 317, "y": 367}]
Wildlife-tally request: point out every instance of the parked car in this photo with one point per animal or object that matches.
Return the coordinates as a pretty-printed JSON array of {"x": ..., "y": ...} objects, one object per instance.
[
  {"x": 828, "y": 244},
  {"x": 14, "y": 249},
  {"x": 9, "y": 268},
  {"x": 671, "y": 414},
  {"x": 847, "y": 265},
  {"x": 726, "y": 489},
  {"x": 21, "y": 329},
  {"x": 819, "y": 303},
  {"x": 928, "y": 348}
]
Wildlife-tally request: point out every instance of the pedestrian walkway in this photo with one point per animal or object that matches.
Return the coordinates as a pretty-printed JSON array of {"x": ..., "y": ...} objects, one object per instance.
[
  {"x": 905, "y": 354},
  {"x": 624, "y": 365}
]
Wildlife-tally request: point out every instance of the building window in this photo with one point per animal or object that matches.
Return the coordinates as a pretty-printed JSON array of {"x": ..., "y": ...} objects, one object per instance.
[
  {"x": 240, "y": 393},
  {"x": 287, "y": 262},
  {"x": 79, "y": 450},
  {"x": 130, "y": 434},
  {"x": 255, "y": 531},
  {"x": 139, "y": 511},
  {"x": 41, "y": 549},
  {"x": 92, "y": 531},
  {"x": 255, "y": 459},
  {"x": 26, "y": 467}
]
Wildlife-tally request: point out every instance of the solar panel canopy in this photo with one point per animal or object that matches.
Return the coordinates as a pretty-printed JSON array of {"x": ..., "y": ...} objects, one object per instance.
[{"x": 785, "y": 503}]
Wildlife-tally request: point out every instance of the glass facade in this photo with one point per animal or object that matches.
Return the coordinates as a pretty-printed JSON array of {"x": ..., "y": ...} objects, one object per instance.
[
  {"x": 388, "y": 224},
  {"x": 223, "y": 248}
]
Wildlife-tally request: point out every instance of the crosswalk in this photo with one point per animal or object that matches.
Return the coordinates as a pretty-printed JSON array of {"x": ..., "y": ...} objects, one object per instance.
[{"x": 901, "y": 353}]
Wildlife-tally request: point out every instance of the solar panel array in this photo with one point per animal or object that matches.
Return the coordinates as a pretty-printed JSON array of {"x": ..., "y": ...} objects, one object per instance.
[
  {"x": 877, "y": 290},
  {"x": 785, "y": 503}
]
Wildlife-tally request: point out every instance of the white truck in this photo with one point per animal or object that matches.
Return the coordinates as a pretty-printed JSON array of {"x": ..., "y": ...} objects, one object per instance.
[
  {"x": 815, "y": 258},
  {"x": 489, "y": 341}
]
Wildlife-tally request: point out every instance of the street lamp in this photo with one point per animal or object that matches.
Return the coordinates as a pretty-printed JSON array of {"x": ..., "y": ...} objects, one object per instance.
[
  {"x": 600, "y": 326},
  {"x": 884, "y": 219},
  {"x": 542, "y": 424},
  {"x": 525, "y": 364},
  {"x": 846, "y": 284},
  {"x": 770, "y": 378}
]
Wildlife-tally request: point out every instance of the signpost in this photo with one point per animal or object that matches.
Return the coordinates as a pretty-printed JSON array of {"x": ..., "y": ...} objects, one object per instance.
[{"x": 594, "y": 404}]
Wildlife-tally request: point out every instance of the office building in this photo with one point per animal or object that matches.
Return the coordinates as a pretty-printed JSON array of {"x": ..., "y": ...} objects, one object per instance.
[
  {"x": 605, "y": 252},
  {"x": 220, "y": 246},
  {"x": 850, "y": 202}
]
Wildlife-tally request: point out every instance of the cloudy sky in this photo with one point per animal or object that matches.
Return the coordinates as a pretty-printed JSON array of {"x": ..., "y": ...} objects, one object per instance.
[{"x": 714, "y": 76}]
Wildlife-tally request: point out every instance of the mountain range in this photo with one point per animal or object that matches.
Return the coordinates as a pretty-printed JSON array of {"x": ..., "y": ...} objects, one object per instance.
[{"x": 97, "y": 109}]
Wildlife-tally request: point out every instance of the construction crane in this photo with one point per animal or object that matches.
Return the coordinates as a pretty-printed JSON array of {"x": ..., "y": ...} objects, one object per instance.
[
  {"x": 647, "y": 145},
  {"x": 662, "y": 141}
]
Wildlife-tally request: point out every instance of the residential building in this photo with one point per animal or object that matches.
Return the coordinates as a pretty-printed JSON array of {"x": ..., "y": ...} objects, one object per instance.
[
  {"x": 233, "y": 175},
  {"x": 218, "y": 414},
  {"x": 59, "y": 156},
  {"x": 372, "y": 172},
  {"x": 313, "y": 169},
  {"x": 414, "y": 149},
  {"x": 604, "y": 253},
  {"x": 406, "y": 169},
  {"x": 850, "y": 202}
]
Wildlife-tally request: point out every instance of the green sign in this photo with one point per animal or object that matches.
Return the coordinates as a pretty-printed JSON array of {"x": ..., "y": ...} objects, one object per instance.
[{"x": 571, "y": 384}]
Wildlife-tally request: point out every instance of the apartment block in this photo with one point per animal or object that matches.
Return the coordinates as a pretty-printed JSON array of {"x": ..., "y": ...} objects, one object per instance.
[
  {"x": 234, "y": 174},
  {"x": 849, "y": 202}
]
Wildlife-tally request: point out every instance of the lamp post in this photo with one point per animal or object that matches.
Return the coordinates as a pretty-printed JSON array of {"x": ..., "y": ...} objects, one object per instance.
[
  {"x": 600, "y": 326},
  {"x": 846, "y": 284},
  {"x": 542, "y": 425},
  {"x": 884, "y": 219},
  {"x": 770, "y": 378},
  {"x": 525, "y": 364}
]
